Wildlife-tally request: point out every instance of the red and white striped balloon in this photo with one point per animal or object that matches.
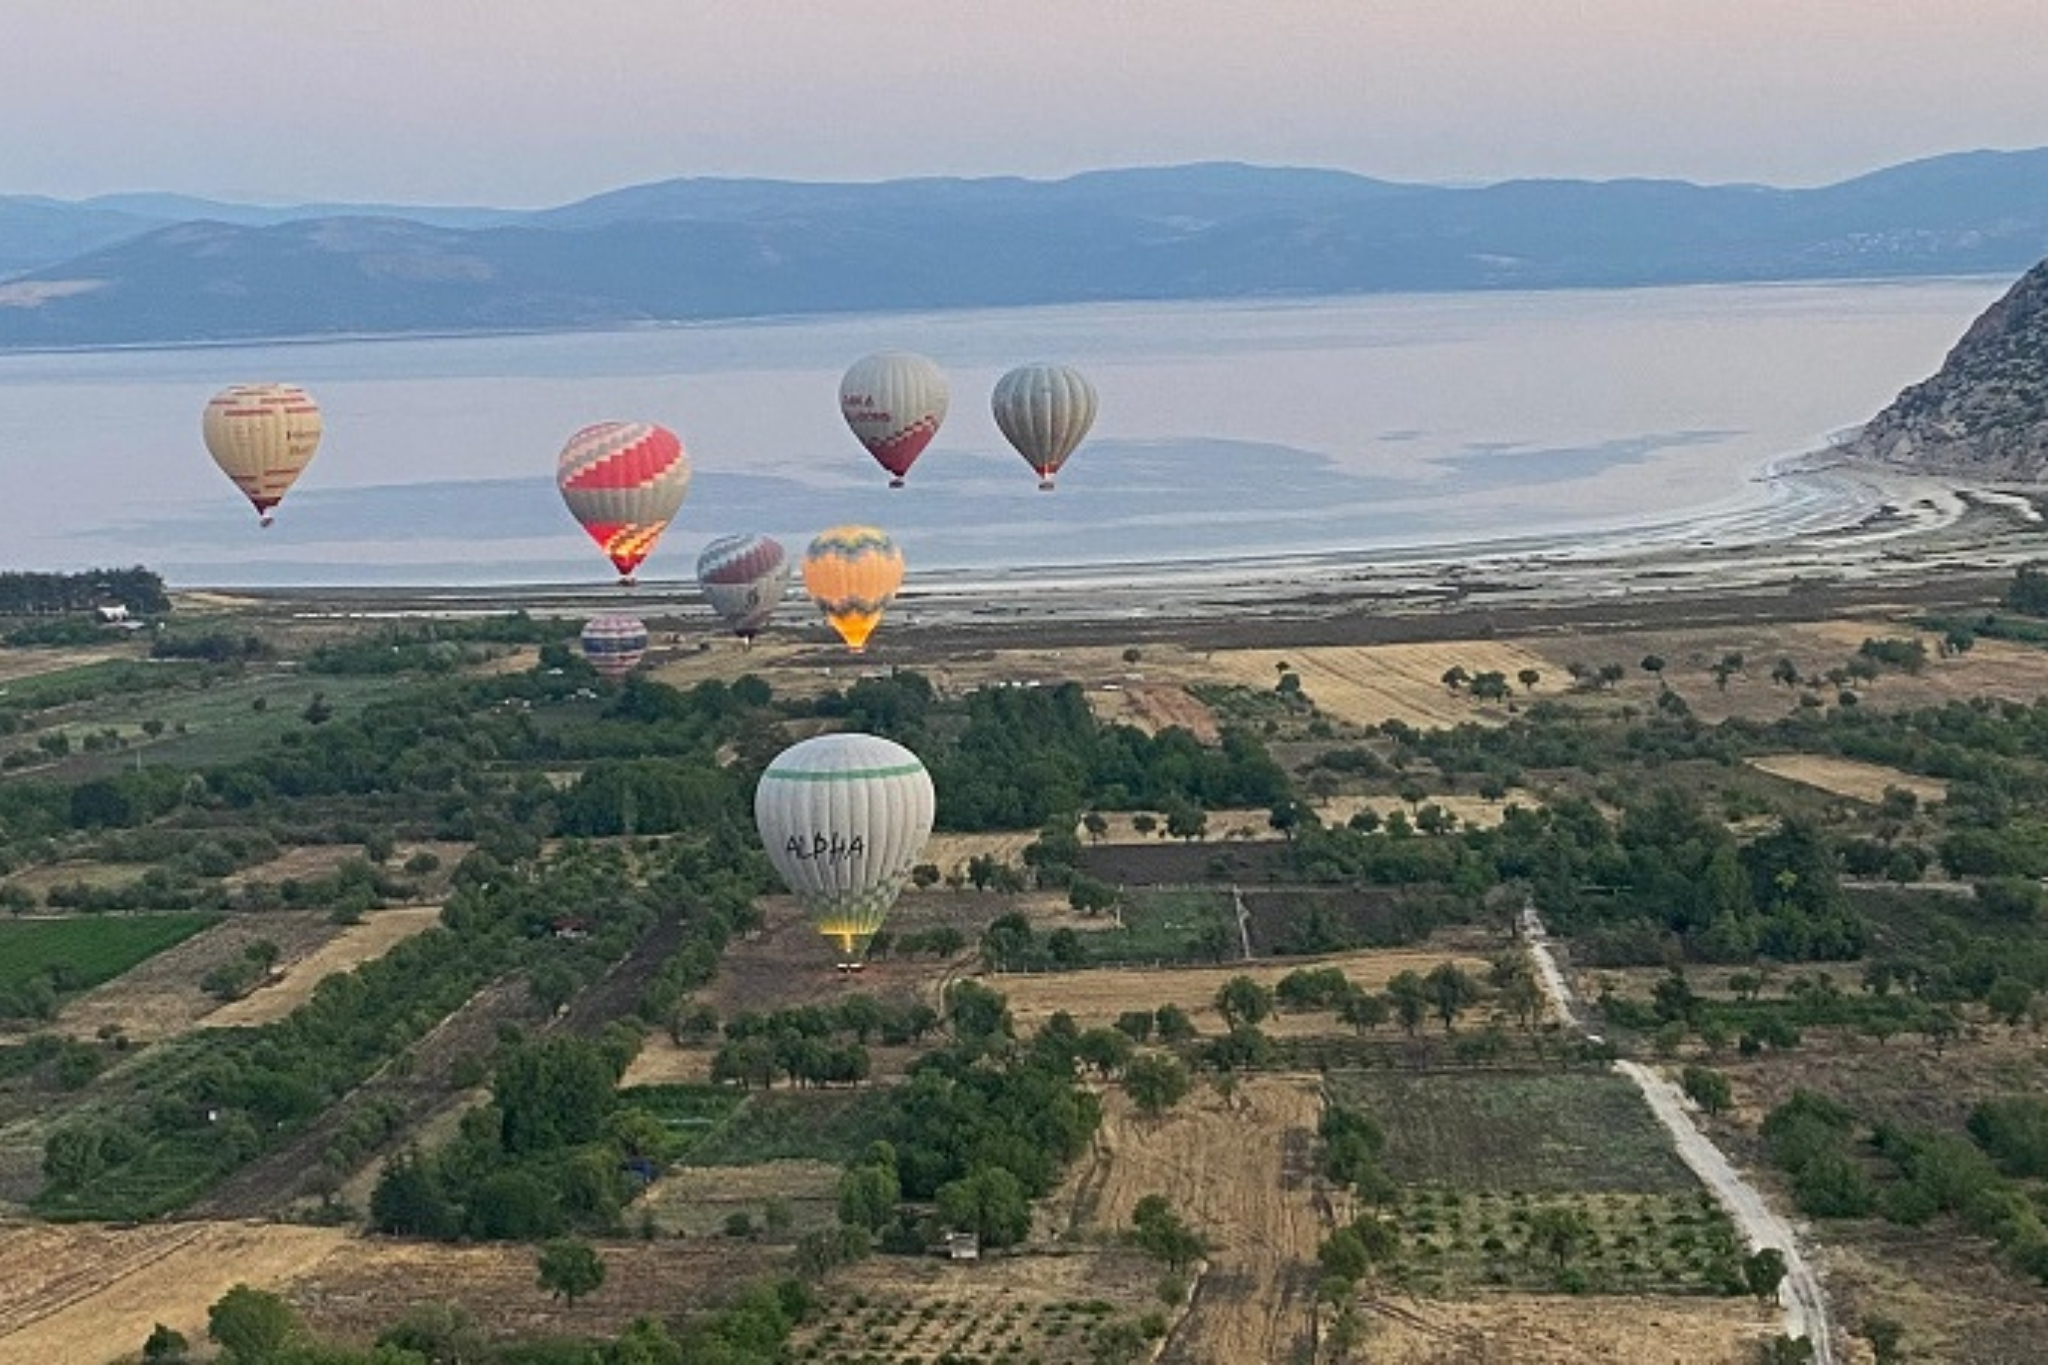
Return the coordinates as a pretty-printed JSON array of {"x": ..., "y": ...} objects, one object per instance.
[{"x": 624, "y": 481}]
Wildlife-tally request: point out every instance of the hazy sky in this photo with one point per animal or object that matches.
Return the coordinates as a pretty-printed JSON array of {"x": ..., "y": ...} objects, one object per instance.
[{"x": 527, "y": 102}]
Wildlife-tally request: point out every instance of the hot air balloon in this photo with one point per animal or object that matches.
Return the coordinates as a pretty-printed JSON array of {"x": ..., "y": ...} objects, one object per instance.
[
  {"x": 894, "y": 401},
  {"x": 744, "y": 577},
  {"x": 852, "y": 573},
  {"x": 624, "y": 481},
  {"x": 1044, "y": 411},
  {"x": 844, "y": 817},
  {"x": 262, "y": 436},
  {"x": 613, "y": 644}
]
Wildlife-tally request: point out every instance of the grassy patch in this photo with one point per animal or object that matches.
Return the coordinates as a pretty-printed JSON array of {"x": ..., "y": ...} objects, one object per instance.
[
  {"x": 690, "y": 1113},
  {"x": 1164, "y": 926},
  {"x": 783, "y": 1125},
  {"x": 1530, "y": 1132},
  {"x": 78, "y": 953}
]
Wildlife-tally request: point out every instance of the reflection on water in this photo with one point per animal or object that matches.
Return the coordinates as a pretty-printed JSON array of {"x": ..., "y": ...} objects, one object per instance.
[{"x": 1227, "y": 430}]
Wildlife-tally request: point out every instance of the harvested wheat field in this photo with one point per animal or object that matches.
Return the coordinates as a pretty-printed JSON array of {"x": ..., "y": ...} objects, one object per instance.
[
  {"x": 377, "y": 934},
  {"x": 90, "y": 1293},
  {"x": 355, "y": 1293},
  {"x": 1153, "y": 707},
  {"x": 1556, "y": 1330},
  {"x": 161, "y": 997},
  {"x": 29, "y": 663},
  {"x": 1368, "y": 684},
  {"x": 1847, "y": 777},
  {"x": 794, "y": 669},
  {"x": 1228, "y": 822},
  {"x": 1098, "y": 997},
  {"x": 1237, "y": 1167},
  {"x": 950, "y": 853},
  {"x": 695, "y": 1201}
]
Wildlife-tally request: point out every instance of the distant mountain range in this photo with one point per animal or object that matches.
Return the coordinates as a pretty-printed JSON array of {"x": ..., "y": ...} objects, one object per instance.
[{"x": 162, "y": 269}]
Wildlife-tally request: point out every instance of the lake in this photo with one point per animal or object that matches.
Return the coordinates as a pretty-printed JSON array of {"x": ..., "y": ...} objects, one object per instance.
[{"x": 1369, "y": 425}]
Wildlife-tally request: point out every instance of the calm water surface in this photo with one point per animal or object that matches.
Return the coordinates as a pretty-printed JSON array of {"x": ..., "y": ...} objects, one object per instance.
[{"x": 1226, "y": 430}]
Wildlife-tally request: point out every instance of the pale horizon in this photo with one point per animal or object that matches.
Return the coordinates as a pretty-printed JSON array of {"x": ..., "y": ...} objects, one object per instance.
[{"x": 516, "y": 104}]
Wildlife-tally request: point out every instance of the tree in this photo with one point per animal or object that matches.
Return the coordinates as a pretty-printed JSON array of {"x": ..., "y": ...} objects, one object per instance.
[
  {"x": 1449, "y": 988},
  {"x": 165, "y": 1346},
  {"x": 1155, "y": 1082},
  {"x": 1455, "y": 677},
  {"x": 1528, "y": 678},
  {"x": 1186, "y": 821},
  {"x": 250, "y": 1326},
  {"x": 1363, "y": 1010},
  {"x": 1158, "y": 1231},
  {"x": 989, "y": 1202},
  {"x": 1243, "y": 1001},
  {"x": 1410, "y": 1001},
  {"x": 444, "y": 1333},
  {"x": 1708, "y": 1088},
  {"x": 1763, "y": 1271},
  {"x": 1653, "y": 664},
  {"x": 1491, "y": 685},
  {"x": 868, "y": 1195},
  {"x": 1559, "y": 1232},
  {"x": 570, "y": 1269}
]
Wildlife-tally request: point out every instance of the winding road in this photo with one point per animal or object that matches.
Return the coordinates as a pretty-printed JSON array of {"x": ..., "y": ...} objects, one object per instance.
[{"x": 1805, "y": 1302}]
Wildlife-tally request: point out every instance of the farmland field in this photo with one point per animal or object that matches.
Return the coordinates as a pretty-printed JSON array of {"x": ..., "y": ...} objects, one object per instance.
[
  {"x": 1847, "y": 777},
  {"x": 1098, "y": 997},
  {"x": 1365, "y": 685},
  {"x": 85, "y": 951},
  {"x": 1533, "y": 1132}
]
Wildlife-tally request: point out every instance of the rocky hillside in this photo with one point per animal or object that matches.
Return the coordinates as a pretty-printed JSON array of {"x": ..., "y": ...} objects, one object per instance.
[{"x": 1986, "y": 412}]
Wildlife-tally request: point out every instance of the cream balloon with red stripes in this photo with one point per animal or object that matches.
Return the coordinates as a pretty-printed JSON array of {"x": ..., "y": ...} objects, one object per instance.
[
  {"x": 262, "y": 436},
  {"x": 624, "y": 482},
  {"x": 894, "y": 401}
]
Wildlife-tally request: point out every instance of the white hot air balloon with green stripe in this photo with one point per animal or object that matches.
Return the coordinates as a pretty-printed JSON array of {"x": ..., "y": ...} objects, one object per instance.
[{"x": 844, "y": 818}]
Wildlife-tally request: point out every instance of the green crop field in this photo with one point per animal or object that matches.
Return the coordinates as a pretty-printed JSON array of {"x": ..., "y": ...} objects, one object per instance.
[
  {"x": 1536, "y": 1132},
  {"x": 783, "y": 1125},
  {"x": 83, "y": 951},
  {"x": 1164, "y": 926}
]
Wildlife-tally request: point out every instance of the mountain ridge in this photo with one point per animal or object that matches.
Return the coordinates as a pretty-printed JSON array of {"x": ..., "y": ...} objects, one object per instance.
[{"x": 716, "y": 248}]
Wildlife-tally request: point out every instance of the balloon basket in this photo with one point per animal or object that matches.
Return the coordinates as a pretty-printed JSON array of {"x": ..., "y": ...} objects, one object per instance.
[
  {"x": 896, "y": 482},
  {"x": 1045, "y": 485}
]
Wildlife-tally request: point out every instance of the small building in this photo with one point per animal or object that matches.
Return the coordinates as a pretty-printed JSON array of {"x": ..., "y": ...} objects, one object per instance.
[
  {"x": 112, "y": 615},
  {"x": 963, "y": 1246}
]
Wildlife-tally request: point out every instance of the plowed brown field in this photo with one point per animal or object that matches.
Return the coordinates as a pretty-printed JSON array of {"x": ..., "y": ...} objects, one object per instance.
[{"x": 1236, "y": 1169}]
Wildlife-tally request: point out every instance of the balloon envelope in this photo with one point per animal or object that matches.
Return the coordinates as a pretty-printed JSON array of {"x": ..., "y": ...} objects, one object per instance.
[
  {"x": 894, "y": 401},
  {"x": 624, "y": 481},
  {"x": 844, "y": 818},
  {"x": 262, "y": 436},
  {"x": 744, "y": 577},
  {"x": 614, "y": 644},
  {"x": 1044, "y": 411},
  {"x": 852, "y": 573}
]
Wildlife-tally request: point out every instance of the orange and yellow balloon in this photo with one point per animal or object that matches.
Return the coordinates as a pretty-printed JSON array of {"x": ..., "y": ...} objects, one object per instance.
[
  {"x": 262, "y": 436},
  {"x": 852, "y": 573}
]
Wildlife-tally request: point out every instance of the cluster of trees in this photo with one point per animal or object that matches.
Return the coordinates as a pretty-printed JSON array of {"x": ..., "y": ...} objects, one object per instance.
[
  {"x": 551, "y": 1152},
  {"x": 436, "y": 646},
  {"x": 1911, "y": 1178},
  {"x": 814, "y": 1044},
  {"x": 1018, "y": 758},
  {"x": 139, "y": 590}
]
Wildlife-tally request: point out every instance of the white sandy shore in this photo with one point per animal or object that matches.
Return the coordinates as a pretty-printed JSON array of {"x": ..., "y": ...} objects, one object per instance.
[{"x": 1810, "y": 521}]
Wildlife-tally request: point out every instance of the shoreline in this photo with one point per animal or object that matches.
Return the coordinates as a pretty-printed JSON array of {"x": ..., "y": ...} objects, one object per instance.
[{"x": 1832, "y": 528}]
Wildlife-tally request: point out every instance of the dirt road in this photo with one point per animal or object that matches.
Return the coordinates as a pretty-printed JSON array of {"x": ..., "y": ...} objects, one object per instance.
[{"x": 1806, "y": 1305}]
